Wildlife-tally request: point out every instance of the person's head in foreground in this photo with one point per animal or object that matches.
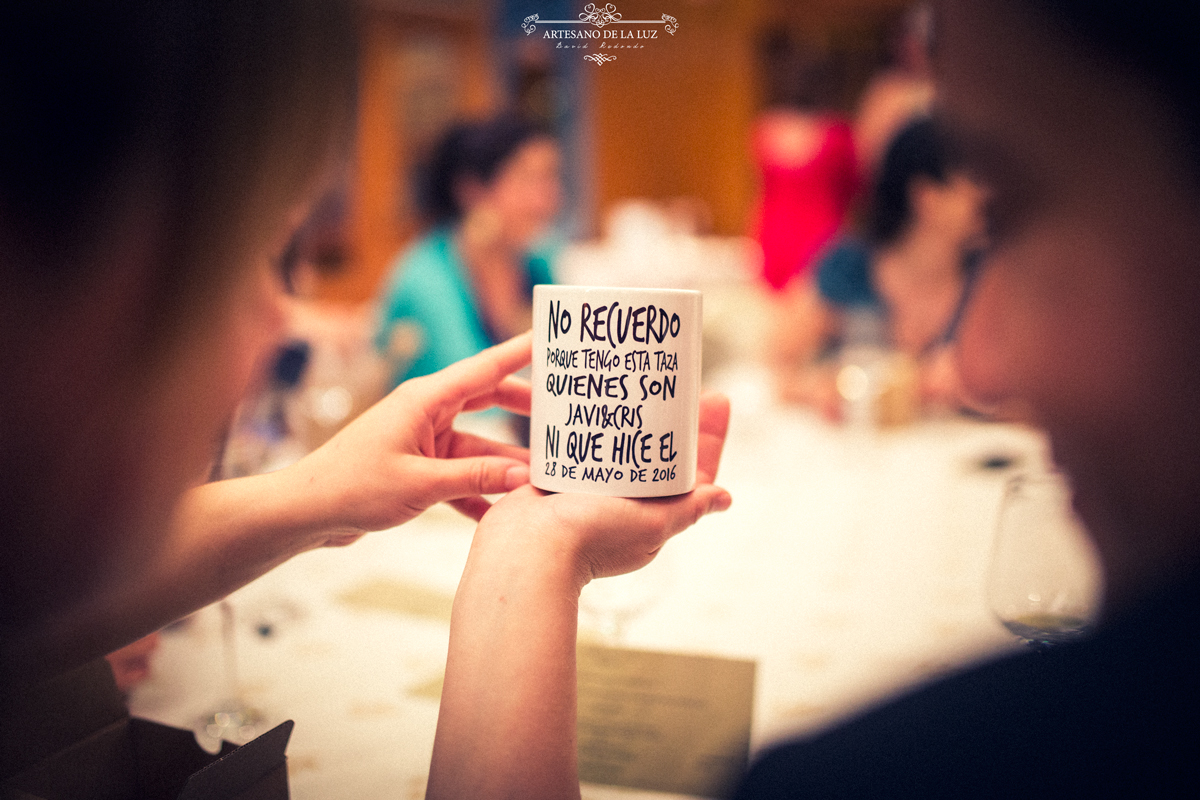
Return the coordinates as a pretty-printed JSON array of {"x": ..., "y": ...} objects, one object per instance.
[
  {"x": 153, "y": 156},
  {"x": 1082, "y": 118}
]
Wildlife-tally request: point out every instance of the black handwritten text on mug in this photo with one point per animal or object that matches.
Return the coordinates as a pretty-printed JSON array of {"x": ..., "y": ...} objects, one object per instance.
[{"x": 614, "y": 324}]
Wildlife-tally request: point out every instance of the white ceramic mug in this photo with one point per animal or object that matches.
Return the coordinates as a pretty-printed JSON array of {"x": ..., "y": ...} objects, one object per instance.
[{"x": 616, "y": 390}]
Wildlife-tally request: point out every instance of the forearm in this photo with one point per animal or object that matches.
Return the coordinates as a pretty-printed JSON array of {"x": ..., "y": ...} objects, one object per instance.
[
  {"x": 228, "y": 533},
  {"x": 507, "y": 723},
  {"x": 506, "y": 728},
  {"x": 223, "y": 536}
]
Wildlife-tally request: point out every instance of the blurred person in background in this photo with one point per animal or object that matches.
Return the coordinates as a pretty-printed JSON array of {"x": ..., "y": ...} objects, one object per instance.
[
  {"x": 492, "y": 190},
  {"x": 154, "y": 158},
  {"x": 808, "y": 174},
  {"x": 926, "y": 230},
  {"x": 900, "y": 92}
]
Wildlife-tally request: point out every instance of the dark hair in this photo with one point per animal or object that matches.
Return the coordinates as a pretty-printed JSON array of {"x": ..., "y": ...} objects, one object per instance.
[
  {"x": 796, "y": 72},
  {"x": 206, "y": 118},
  {"x": 1157, "y": 40},
  {"x": 919, "y": 150},
  {"x": 474, "y": 150}
]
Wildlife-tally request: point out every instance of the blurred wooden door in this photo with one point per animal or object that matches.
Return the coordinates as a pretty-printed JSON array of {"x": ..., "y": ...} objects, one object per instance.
[
  {"x": 423, "y": 66},
  {"x": 675, "y": 119},
  {"x": 671, "y": 120}
]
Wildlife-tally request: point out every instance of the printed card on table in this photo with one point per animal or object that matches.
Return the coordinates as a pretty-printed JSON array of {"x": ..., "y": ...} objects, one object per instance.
[{"x": 663, "y": 721}]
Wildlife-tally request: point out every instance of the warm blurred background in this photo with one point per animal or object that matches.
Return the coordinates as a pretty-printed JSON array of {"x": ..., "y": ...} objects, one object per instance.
[
  {"x": 776, "y": 155},
  {"x": 670, "y": 123},
  {"x": 728, "y": 155}
]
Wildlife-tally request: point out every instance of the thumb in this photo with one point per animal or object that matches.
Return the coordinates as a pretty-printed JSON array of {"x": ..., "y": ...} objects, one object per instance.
[
  {"x": 705, "y": 499},
  {"x": 455, "y": 478}
]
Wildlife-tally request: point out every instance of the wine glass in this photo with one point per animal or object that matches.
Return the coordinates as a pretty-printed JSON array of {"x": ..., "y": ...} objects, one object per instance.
[
  {"x": 1044, "y": 584},
  {"x": 234, "y": 719},
  {"x": 610, "y": 604}
]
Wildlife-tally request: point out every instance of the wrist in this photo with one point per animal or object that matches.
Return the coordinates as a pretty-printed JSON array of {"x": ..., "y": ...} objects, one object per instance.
[
  {"x": 295, "y": 507},
  {"x": 530, "y": 557}
]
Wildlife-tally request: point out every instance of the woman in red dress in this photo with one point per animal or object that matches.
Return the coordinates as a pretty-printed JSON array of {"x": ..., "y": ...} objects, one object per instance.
[
  {"x": 806, "y": 161},
  {"x": 809, "y": 178}
]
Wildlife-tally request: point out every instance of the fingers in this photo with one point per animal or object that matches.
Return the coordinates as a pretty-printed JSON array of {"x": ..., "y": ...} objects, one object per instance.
[
  {"x": 513, "y": 394},
  {"x": 457, "y": 444},
  {"x": 459, "y": 478},
  {"x": 714, "y": 424},
  {"x": 690, "y": 508},
  {"x": 482, "y": 373},
  {"x": 714, "y": 499}
]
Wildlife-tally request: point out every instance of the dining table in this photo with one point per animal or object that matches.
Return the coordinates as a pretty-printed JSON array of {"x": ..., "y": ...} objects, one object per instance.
[{"x": 851, "y": 566}]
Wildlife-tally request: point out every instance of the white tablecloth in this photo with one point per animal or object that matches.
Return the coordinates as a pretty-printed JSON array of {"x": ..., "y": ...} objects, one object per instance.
[{"x": 849, "y": 567}]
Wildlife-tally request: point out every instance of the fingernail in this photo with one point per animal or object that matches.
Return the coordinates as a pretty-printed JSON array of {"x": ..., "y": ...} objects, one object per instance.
[
  {"x": 515, "y": 477},
  {"x": 722, "y": 502}
]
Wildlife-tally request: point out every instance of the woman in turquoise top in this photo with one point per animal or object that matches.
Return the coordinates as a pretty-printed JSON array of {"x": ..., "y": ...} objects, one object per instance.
[{"x": 492, "y": 190}]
